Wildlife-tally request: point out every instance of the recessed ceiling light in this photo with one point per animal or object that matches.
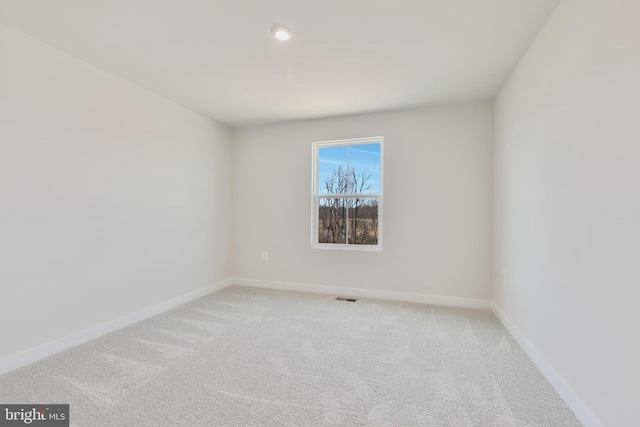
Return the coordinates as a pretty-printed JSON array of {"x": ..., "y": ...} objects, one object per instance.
[{"x": 281, "y": 33}]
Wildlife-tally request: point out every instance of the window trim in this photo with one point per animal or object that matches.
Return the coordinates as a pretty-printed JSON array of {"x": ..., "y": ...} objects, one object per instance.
[{"x": 315, "y": 196}]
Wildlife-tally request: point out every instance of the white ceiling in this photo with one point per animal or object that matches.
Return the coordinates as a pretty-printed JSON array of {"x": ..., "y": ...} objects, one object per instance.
[{"x": 346, "y": 56}]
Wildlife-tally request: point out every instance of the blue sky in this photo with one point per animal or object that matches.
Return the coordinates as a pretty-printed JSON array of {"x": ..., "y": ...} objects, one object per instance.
[{"x": 359, "y": 156}]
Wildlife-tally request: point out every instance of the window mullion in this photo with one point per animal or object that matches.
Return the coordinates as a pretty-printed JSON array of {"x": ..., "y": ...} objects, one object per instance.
[
  {"x": 349, "y": 196},
  {"x": 346, "y": 228}
]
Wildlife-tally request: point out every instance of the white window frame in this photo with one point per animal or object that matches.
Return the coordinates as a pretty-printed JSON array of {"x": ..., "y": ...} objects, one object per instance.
[{"x": 316, "y": 196}]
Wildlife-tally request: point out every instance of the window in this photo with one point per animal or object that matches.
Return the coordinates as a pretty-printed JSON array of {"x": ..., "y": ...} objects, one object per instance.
[{"x": 347, "y": 194}]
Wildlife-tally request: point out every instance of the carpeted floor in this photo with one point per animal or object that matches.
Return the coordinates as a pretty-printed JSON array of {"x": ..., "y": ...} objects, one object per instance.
[{"x": 253, "y": 357}]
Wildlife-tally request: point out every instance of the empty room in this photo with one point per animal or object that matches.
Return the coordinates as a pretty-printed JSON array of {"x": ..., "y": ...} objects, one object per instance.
[{"x": 319, "y": 213}]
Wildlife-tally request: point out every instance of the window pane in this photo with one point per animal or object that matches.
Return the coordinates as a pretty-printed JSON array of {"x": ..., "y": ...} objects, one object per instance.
[
  {"x": 332, "y": 169},
  {"x": 332, "y": 221},
  {"x": 364, "y": 168},
  {"x": 363, "y": 221}
]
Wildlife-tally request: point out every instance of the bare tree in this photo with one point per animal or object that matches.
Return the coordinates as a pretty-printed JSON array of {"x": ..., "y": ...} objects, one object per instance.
[
  {"x": 341, "y": 215},
  {"x": 359, "y": 184},
  {"x": 332, "y": 211}
]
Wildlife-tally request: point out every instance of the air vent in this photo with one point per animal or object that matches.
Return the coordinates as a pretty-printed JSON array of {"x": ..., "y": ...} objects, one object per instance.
[{"x": 346, "y": 299}]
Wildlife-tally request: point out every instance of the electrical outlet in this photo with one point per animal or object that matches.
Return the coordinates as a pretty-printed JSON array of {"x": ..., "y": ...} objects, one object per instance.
[{"x": 265, "y": 255}]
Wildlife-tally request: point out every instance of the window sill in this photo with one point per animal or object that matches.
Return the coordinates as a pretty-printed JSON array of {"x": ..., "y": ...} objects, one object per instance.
[{"x": 340, "y": 247}]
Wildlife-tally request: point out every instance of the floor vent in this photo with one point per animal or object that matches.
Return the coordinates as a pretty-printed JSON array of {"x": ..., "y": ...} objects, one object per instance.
[{"x": 346, "y": 299}]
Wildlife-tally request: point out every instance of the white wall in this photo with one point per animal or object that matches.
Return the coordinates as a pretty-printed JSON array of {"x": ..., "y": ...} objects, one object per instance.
[
  {"x": 112, "y": 199},
  {"x": 437, "y": 203},
  {"x": 567, "y": 202}
]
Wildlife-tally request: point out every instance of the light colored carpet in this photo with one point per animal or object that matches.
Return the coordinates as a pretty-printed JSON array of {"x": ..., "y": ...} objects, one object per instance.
[{"x": 252, "y": 357}]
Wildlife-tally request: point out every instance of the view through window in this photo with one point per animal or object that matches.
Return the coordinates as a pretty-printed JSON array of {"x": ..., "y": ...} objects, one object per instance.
[{"x": 347, "y": 194}]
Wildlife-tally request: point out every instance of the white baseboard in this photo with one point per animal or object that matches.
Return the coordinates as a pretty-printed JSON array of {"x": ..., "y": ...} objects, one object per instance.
[
  {"x": 367, "y": 293},
  {"x": 581, "y": 411},
  {"x": 31, "y": 355}
]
